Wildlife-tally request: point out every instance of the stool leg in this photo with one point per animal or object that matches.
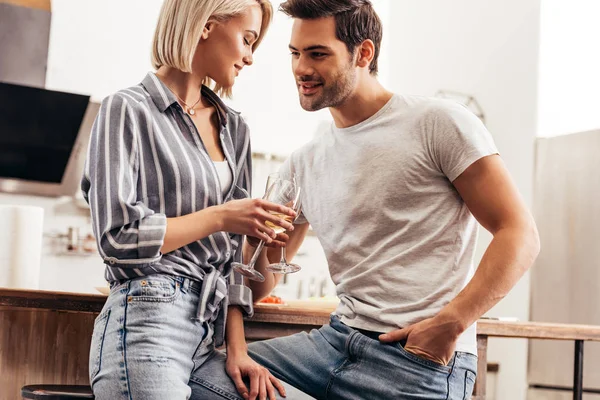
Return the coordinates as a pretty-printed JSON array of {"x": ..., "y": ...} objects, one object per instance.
[{"x": 578, "y": 371}]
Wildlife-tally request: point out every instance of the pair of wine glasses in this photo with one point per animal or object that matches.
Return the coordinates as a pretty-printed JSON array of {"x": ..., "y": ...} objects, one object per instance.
[{"x": 280, "y": 191}]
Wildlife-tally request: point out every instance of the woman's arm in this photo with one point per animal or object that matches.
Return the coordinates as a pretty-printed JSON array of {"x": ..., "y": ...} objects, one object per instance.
[
  {"x": 240, "y": 365},
  {"x": 245, "y": 217}
]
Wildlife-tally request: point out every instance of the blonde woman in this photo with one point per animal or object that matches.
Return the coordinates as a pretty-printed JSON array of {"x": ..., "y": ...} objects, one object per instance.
[{"x": 167, "y": 179}]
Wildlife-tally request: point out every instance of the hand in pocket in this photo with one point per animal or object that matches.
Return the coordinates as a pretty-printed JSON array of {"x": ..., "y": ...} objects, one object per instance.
[{"x": 431, "y": 339}]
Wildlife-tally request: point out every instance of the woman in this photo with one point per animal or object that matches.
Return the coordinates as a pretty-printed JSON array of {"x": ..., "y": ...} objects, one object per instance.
[{"x": 167, "y": 179}]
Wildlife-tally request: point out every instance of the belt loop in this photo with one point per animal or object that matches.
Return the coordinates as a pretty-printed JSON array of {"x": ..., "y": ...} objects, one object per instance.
[{"x": 186, "y": 284}]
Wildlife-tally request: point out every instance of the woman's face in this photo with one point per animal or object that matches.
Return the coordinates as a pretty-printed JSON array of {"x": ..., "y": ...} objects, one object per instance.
[{"x": 226, "y": 47}]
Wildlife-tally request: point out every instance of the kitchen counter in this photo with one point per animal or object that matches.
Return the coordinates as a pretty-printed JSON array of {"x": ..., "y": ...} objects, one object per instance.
[{"x": 44, "y": 335}]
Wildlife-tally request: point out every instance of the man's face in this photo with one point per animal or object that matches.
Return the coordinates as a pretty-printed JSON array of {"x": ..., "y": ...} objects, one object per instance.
[{"x": 323, "y": 68}]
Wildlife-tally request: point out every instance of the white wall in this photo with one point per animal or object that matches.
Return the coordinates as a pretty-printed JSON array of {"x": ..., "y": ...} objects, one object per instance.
[
  {"x": 569, "y": 90},
  {"x": 99, "y": 47},
  {"x": 488, "y": 50}
]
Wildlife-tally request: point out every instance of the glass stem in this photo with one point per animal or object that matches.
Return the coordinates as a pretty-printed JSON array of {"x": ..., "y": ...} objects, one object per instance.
[
  {"x": 283, "y": 260},
  {"x": 256, "y": 254}
]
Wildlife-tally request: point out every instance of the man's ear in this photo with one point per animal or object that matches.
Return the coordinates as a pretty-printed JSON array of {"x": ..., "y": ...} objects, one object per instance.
[
  {"x": 365, "y": 53},
  {"x": 208, "y": 28}
]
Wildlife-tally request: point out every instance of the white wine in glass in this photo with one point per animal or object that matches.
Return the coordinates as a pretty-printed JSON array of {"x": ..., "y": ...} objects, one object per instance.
[
  {"x": 283, "y": 266},
  {"x": 278, "y": 229},
  {"x": 278, "y": 191}
]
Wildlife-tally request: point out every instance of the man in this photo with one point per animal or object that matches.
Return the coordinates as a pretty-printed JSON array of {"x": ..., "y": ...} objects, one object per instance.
[{"x": 393, "y": 189}]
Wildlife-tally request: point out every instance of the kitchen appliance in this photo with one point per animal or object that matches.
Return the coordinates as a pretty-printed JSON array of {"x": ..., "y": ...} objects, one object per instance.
[{"x": 44, "y": 136}]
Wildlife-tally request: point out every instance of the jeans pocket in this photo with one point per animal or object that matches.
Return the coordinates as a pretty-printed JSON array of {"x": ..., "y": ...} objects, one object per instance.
[
  {"x": 98, "y": 335},
  {"x": 469, "y": 384},
  {"x": 154, "y": 288},
  {"x": 422, "y": 361}
]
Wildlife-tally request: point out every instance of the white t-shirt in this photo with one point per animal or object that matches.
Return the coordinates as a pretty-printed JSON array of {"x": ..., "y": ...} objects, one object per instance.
[
  {"x": 225, "y": 175},
  {"x": 398, "y": 238}
]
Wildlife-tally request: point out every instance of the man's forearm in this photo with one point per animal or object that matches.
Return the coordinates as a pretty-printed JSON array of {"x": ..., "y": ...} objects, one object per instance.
[
  {"x": 510, "y": 254},
  {"x": 261, "y": 289},
  {"x": 272, "y": 255}
]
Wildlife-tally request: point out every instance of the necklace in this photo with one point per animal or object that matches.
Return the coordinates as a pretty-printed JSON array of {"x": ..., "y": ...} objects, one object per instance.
[{"x": 188, "y": 109}]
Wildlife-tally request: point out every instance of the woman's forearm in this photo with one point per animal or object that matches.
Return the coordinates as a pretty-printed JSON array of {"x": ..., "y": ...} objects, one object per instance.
[
  {"x": 187, "y": 229},
  {"x": 234, "y": 331}
]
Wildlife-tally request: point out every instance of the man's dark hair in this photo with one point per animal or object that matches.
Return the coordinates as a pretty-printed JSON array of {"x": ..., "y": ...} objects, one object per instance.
[{"x": 355, "y": 21}]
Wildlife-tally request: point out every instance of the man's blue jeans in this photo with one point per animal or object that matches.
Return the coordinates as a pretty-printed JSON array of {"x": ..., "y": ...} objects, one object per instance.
[{"x": 338, "y": 362}]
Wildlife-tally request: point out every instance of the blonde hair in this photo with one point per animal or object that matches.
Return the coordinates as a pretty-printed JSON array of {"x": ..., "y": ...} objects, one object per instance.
[{"x": 180, "y": 26}]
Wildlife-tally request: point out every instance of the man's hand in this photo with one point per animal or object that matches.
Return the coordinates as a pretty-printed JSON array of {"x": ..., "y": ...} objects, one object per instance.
[
  {"x": 433, "y": 339},
  {"x": 262, "y": 383}
]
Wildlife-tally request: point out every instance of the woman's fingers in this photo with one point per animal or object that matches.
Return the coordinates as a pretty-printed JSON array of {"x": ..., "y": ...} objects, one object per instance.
[
  {"x": 277, "y": 220},
  {"x": 278, "y": 208},
  {"x": 275, "y": 384}
]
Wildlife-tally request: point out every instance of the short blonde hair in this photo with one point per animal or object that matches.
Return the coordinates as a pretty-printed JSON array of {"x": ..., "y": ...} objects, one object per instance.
[{"x": 180, "y": 26}]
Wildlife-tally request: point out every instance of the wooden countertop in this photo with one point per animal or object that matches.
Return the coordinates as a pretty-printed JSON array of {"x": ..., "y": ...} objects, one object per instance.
[{"x": 293, "y": 315}]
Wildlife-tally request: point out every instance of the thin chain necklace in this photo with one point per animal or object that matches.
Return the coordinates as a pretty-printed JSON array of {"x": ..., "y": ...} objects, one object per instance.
[{"x": 188, "y": 109}]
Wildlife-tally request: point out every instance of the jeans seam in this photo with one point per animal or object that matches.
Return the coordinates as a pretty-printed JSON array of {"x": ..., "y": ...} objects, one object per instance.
[
  {"x": 465, "y": 386},
  {"x": 125, "y": 343},
  {"x": 448, "y": 378},
  {"x": 341, "y": 366},
  {"x": 355, "y": 363},
  {"x": 106, "y": 317},
  {"x": 422, "y": 361},
  {"x": 332, "y": 375},
  {"x": 151, "y": 299},
  {"x": 214, "y": 388}
]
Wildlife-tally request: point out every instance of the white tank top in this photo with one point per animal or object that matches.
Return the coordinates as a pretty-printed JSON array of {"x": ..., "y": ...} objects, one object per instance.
[{"x": 225, "y": 175}]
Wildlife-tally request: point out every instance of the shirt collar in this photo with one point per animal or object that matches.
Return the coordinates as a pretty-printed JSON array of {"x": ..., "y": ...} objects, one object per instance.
[{"x": 164, "y": 98}]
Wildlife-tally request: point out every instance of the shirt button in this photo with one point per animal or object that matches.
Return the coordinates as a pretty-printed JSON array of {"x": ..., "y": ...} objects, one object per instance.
[
  {"x": 227, "y": 254},
  {"x": 222, "y": 136}
]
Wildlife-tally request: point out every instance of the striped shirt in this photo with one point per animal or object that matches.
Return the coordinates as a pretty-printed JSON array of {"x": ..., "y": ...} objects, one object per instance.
[{"x": 146, "y": 162}]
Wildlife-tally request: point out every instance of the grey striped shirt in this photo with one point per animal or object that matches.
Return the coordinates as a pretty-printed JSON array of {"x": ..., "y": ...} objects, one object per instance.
[{"x": 146, "y": 163}]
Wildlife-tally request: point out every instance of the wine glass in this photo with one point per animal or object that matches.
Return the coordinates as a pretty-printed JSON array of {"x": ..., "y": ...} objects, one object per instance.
[
  {"x": 283, "y": 267},
  {"x": 279, "y": 191}
]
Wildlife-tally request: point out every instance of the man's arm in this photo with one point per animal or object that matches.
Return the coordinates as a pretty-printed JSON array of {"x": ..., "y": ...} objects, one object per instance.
[
  {"x": 492, "y": 197},
  {"x": 271, "y": 255}
]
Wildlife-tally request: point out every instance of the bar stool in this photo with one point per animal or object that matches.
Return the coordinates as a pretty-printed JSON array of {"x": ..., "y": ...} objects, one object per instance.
[{"x": 56, "y": 392}]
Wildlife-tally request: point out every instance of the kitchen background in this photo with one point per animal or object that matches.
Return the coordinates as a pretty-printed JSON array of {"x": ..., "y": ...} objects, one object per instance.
[{"x": 529, "y": 68}]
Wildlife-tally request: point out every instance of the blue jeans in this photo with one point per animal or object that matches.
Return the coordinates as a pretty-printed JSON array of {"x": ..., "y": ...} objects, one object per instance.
[
  {"x": 148, "y": 344},
  {"x": 338, "y": 362}
]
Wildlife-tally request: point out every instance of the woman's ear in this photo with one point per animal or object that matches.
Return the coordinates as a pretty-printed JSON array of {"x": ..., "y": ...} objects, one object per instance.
[{"x": 207, "y": 29}]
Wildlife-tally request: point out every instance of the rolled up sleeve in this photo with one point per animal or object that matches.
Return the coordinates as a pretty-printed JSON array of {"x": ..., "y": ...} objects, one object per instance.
[{"x": 128, "y": 233}]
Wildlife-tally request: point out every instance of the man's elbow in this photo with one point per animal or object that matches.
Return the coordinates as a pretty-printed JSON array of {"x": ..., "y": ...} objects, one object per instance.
[{"x": 532, "y": 242}]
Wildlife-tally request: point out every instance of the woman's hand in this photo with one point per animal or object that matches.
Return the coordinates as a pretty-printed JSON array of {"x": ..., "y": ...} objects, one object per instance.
[
  {"x": 262, "y": 383},
  {"x": 277, "y": 243},
  {"x": 249, "y": 216}
]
